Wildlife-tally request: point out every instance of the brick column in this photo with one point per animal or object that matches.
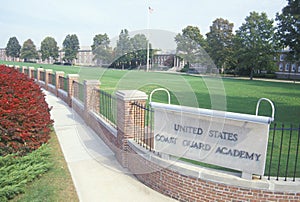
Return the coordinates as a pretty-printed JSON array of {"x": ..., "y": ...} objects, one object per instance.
[
  {"x": 38, "y": 75},
  {"x": 91, "y": 100},
  {"x": 125, "y": 120},
  {"x": 23, "y": 69},
  {"x": 47, "y": 72},
  {"x": 57, "y": 83},
  {"x": 71, "y": 78},
  {"x": 31, "y": 72}
]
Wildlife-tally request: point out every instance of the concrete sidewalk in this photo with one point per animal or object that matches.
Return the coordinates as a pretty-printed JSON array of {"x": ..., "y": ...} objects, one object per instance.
[{"x": 96, "y": 174}]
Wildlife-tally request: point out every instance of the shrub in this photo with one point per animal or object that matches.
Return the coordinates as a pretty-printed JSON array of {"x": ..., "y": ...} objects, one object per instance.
[
  {"x": 24, "y": 114},
  {"x": 16, "y": 172}
]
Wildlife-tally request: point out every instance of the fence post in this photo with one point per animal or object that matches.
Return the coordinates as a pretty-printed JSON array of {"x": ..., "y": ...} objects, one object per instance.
[
  {"x": 71, "y": 78},
  {"x": 91, "y": 101},
  {"x": 23, "y": 69},
  {"x": 31, "y": 72},
  {"x": 57, "y": 83},
  {"x": 125, "y": 120},
  {"x": 47, "y": 72},
  {"x": 38, "y": 75}
]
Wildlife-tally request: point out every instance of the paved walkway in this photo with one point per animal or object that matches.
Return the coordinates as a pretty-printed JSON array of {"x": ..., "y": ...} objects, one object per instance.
[{"x": 96, "y": 174}]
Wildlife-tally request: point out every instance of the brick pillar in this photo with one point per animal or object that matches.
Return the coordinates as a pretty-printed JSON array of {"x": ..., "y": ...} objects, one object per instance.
[
  {"x": 31, "y": 72},
  {"x": 47, "y": 72},
  {"x": 91, "y": 100},
  {"x": 57, "y": 83},
  {"x": 125, "y": 120},
  {"x": 71, "y": 78},
  {"x": 23, "y": 69},
  {"x": 38, "y": 75}
]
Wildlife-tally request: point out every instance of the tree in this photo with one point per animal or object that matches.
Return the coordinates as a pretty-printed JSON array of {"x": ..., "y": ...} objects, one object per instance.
[
  {"x": 256, "y": 43},
  {"x": 101, "y": 49},
  {"x": 139, "y": 42},
  {"x": 28, "y": 51},
  {"x": 123, "y": 44},
  {"x": 220, "y": 43},
  {"x": 190, "y": 44},
  {"x": 70, "y": 47},
  {"x": 288, "y": 31},
  {"x": 49, "y": 48},
  {"x": 13, "y": 48}
]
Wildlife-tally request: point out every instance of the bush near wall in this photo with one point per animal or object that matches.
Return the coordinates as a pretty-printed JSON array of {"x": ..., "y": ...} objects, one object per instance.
[{"x": 24, "y": 114}]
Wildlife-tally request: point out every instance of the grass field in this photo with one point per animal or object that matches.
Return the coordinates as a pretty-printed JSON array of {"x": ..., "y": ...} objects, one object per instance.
[{"x": 234, "y": 95}]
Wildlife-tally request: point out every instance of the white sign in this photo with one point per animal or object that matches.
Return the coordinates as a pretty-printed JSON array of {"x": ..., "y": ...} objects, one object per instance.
[{"x": 231, "y": 140}]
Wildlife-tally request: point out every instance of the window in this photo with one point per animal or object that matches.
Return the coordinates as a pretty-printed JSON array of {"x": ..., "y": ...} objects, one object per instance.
[
  {"x": 281, "y": 57},
  {"x": 281, "y": 67},
  {"x": 293, "y": 67},
  {"x": 287, "y": 67},
  {"x": 299, "y": 69}
]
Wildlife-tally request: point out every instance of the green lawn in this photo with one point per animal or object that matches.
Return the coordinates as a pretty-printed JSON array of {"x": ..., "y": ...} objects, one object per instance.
[{"x": 234, "y": 95}]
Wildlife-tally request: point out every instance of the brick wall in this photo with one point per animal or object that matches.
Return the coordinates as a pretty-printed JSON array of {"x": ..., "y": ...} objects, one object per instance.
[{"x": 187, "y": 188}]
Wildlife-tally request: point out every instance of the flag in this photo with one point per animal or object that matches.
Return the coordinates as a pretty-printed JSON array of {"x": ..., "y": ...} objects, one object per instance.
[{"x": 150, "y": 9}]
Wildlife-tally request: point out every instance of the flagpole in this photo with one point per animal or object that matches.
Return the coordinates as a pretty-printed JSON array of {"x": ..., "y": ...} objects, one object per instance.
[{"x": 148, "y": 45}]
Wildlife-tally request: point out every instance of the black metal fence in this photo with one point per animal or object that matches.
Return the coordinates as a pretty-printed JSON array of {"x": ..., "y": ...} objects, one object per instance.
[
  {"x": 143, "y": 125},
  {"x": 283, "y": 152},
  {"x": 78, "y": 90},
  {"x": 282, "y": 161},
  {"x": 42, "y": 76},
  {"x": 63, "y": 83},
  {"x": 107, "y": 107},
  {"x": 51, "y": 79}
]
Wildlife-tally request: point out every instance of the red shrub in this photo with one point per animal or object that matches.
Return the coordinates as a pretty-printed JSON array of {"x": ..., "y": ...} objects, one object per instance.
[{"x": 24, "y": 114}]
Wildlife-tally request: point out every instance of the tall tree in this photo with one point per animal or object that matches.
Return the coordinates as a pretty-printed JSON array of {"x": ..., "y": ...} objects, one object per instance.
[
  {"x": 28, "y": 51},
  {"x": 190, "y": 43},
  {"x": 288, "y": 23},
  {"x": 13, "y": 48},
  {"x": 123, "y": 44},
  {"x": 256, "y": 43},
  {"x": 220, "y": 43},
  {"x": 70, "y": 47},
  {"x": 49, "y": 48},
  {"x": 101, "y": 49},
  {"x": 139, "y": 42}
]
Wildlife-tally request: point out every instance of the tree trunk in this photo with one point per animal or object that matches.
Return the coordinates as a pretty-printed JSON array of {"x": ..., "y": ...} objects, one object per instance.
[{"x": 251, "y": 73}]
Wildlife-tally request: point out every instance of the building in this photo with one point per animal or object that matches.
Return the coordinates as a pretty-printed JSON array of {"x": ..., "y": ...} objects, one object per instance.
[
  {"x": 84, "y": 57},
  {"x": 286, "y": 68}
]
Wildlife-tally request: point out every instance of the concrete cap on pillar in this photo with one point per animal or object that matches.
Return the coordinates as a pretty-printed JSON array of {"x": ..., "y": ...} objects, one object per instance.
[
  {"x": 131, "y": 95},
  {"x": 92, "y": 82}
]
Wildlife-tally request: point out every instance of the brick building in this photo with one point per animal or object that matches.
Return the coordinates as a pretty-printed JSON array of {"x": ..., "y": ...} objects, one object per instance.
[{"x": 286, "y": 68}]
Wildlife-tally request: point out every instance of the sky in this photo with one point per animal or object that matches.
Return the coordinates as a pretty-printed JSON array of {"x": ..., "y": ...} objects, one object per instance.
[{"x": 37, "y": 19}]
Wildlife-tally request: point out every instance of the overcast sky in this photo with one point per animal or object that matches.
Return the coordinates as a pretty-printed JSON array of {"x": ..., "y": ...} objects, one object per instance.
[{"x": 37, "y": 19}]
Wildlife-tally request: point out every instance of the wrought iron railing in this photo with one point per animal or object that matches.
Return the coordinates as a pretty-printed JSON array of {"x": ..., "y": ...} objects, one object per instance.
[
  {"x": 78, "y": 90},
  {"x": 143, "y": 125},
  {"x": 63, "y": 83},
  {"x": 107, "y": 106},
  {"x": 283, "y": 152}
]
